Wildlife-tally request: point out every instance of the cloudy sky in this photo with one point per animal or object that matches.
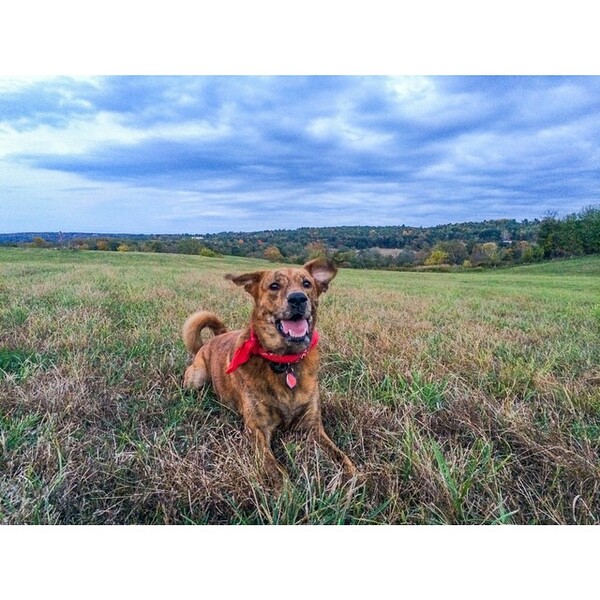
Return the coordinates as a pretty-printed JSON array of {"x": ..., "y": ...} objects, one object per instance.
[{"x": 186, "y": 154}]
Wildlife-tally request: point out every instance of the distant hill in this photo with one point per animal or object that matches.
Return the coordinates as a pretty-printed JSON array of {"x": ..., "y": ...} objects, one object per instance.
[
  {"x": 56, "y": 237},
  {"x": 467, "y": 245},
  {"x": 346, "y": 237}
]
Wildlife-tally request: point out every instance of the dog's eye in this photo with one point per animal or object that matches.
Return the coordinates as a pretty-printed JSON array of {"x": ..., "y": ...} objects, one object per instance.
[
  {"x": 274, "y": 286},
  {"x": 307, "y": 284}
]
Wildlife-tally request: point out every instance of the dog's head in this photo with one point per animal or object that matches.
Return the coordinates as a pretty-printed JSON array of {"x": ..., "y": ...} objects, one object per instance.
[{"x": 285, "y": 303}]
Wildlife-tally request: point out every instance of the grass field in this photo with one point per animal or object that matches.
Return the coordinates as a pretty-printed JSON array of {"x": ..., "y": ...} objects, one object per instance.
[{"x": 466, "y": 398}]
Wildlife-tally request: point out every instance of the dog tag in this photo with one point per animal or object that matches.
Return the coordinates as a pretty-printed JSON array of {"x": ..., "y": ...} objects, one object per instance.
[{"x": 290, "y": 379}]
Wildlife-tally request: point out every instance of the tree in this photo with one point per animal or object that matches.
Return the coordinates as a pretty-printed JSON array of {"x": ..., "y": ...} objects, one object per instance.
[
  {"x": 79, "y": 244},
  {"x": 490, "y": 250},
  {"x": 590, "y": 230},
  {"x": 455, "y": 250},
  {"x": 208, "y": 253},
  {"x": 273, "y": 254},
  {"x": 316, "y": 249},
  {"x": 344, "y": 258},
  {"x": 575, "y": 234},
  {"x": 39, "y": 242},
  {"x": 437, "y": 257},
  {"x": 189, "y": 246},
  {"x": 405, "y": 258},
  {"x": 153, "y": 246}
]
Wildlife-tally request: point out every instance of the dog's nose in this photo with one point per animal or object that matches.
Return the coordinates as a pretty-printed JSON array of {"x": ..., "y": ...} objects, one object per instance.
[{"x": 297, "y": 299}]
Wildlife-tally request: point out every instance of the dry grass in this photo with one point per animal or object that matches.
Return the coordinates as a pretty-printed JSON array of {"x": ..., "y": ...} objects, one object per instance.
[{"x": 463, "y": 398}]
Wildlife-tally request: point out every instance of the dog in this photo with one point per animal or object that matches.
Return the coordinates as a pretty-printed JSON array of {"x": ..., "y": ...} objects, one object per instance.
[{"x": 267, "y": 372}]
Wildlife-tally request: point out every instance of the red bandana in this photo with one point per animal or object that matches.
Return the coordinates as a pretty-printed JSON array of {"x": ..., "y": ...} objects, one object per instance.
[{"x": 252, "y": 346}]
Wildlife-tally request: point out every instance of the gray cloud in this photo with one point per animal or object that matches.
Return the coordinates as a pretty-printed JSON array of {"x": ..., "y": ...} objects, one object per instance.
[{"x": 203, "y": 153}]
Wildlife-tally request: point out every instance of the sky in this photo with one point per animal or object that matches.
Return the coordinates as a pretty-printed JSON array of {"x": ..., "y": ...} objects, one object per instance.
[{"x": 201, "y": 154}]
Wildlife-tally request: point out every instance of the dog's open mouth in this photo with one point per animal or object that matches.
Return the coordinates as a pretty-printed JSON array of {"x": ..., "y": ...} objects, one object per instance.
[{"x": 295, "y": 329}]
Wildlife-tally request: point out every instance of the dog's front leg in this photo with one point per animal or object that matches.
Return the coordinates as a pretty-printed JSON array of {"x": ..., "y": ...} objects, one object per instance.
[
  {"x": 321, "y": 437},
  {"x": 261, "y": 440},
  {"x": 312, "y": 423},
  {"x": 260, "y": 424}
]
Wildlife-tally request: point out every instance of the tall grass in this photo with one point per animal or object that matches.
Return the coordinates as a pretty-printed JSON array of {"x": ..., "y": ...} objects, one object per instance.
[{"x": 462, "y": 398}]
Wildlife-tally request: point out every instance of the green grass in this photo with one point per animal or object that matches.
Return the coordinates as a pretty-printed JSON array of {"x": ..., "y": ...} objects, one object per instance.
[{"x": 467, "y": 397}]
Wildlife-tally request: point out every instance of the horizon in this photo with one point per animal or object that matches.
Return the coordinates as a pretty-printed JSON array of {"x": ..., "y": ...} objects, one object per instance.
[{"x": 250, "y": 231}]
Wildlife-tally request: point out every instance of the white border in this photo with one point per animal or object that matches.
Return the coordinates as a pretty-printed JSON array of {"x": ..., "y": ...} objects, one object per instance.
[{"x": 524, "y": 37}]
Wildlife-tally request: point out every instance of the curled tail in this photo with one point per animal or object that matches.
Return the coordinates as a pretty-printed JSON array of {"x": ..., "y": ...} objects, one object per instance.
[{"x": 192, "y": 329}]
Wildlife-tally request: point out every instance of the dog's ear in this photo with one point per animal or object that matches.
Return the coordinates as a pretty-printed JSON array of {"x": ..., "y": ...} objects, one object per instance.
[
  {"x": 250, "y": 281},
  {"x": 322, "y": 271}
]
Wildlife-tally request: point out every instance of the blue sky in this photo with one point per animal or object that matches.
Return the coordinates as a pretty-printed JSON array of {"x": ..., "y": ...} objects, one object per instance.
[{"x": 187, "y": 154}]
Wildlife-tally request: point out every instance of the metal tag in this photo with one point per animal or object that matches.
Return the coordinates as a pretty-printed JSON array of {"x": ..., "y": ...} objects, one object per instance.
[{"x": 291, "y": 380}]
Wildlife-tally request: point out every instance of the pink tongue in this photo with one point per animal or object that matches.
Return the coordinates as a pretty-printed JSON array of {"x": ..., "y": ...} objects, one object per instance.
[{"x": 295, "y": 329}]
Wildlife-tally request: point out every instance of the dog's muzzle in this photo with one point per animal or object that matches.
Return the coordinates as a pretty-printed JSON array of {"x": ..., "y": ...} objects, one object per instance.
[{"x": 295, "y": 326}]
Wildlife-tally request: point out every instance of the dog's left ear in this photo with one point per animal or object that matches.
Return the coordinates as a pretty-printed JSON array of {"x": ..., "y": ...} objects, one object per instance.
[
  {"x": 250, "y": 281},
  {"x": 322, "y": 271}
]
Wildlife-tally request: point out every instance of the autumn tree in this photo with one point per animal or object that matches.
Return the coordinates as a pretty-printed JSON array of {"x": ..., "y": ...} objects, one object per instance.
[
  {"x": 39, "y": 242},
  {"x": 437, "y": 257},
  {"x": 273, "y": 254}
]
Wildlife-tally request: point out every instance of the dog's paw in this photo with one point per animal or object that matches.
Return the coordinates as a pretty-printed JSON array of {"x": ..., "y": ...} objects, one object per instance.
[{"x": 275, "y": 475}]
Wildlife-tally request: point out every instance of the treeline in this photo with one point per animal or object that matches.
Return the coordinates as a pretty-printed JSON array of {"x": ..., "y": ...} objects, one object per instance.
[
  {"x": 466, "y": 245},
  {"x": 469, "y": 244},
  {"x": 575, "y": 235},
  {"x": 294, "y": 242}
]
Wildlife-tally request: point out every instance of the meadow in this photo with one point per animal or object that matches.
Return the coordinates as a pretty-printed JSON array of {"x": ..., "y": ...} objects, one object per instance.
[{"x": 463, "y": 398}]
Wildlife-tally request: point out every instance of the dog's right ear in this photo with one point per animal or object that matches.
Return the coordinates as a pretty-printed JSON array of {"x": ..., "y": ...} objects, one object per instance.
[{"x": 250, "y": 281}]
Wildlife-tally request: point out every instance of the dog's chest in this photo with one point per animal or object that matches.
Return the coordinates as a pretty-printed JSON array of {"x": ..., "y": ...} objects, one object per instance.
[{"x": 288, "y": 405}]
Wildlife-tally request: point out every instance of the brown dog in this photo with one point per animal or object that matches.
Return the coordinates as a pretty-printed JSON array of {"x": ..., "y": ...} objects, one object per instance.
[{"x": 268, "y": 371}]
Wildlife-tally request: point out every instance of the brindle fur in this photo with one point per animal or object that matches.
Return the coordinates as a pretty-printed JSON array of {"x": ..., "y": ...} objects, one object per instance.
[{"x": 258, "y": 393}]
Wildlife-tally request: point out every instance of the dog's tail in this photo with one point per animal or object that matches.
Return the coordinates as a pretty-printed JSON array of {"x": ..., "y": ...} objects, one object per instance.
[{"x": 192, "y": 329}]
